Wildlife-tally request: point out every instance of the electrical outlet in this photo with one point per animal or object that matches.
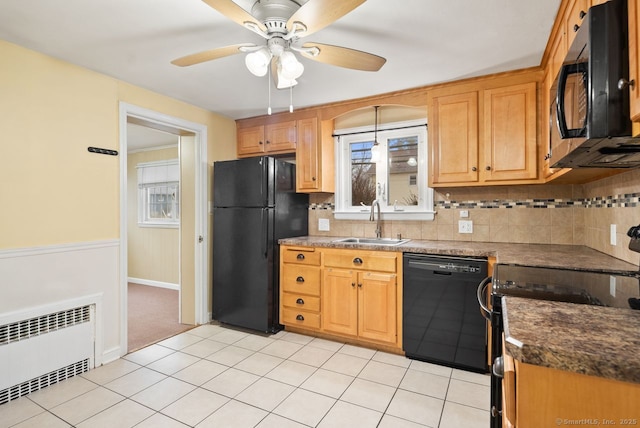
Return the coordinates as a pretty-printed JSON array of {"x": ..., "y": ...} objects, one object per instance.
[
  {"x": 612, "y": 235},
  {"x": 612, "y": 286},
  {"x": 323, "y": 224},
  {"x": 465, "y": 226},
  {"x": 464, "y": 214}
]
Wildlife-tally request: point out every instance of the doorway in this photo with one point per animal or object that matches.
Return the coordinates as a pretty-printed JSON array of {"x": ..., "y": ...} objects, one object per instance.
[{"x": 192, "y": 269}]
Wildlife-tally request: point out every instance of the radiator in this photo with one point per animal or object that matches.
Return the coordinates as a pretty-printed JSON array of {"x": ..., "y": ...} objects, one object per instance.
[{"x": 41, "y": 350}]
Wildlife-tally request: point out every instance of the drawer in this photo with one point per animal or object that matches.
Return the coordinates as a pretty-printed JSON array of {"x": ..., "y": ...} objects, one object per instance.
[
  {"x": 300, "y": 301},
  {"x": 367, "y": 260},
  {"x": 304, "y": 256},
  {"x": 298, "y": 318},
  {"x": 301, "y": 279}
]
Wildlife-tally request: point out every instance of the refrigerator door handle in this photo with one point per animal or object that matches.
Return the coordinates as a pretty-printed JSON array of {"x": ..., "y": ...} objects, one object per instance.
[{"x": 263, "y": 218}]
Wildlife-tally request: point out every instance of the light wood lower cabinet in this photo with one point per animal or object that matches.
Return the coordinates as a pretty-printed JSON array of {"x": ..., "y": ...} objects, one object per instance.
[
  {"x": 300, "y": 287},
  {"x": 358, "y": 296},
  {"x": 536, "y": 396}
]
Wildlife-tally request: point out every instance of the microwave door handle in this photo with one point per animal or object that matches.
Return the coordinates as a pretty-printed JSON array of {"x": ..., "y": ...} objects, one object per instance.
[{"x": 561, "y": 118}]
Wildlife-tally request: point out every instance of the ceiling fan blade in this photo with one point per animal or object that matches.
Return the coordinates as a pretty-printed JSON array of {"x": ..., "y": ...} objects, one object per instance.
[
  {"x": 317, "y": 14},
  {"x": 234, "y": 12},
  {"x": 344, "y": 57},
  {"x": 209, "y": 55}
]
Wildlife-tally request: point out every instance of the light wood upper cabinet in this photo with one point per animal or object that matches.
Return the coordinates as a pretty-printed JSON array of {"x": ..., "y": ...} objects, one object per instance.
[
  {"x": 576, "y": 11},
  {"x": 454, "y": 138},
  {"x": 307, "y": 162},
  {"x": 281, "y": 137},
  {"x": 250, "y": 141},
  {"x": 273, "y": 138},
  {"x": 510, "y": 133},
  {"x": 482, "y": 137},
  {"x": 634, "y": 58}
]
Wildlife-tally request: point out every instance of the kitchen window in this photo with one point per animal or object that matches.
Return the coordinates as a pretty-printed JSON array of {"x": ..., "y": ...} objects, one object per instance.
[
  {"x": 158, "y": 193},
  {"x": 398, "y": 180}
]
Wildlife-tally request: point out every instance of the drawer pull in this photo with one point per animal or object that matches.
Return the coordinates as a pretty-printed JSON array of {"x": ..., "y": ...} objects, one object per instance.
[
  {"x": 357, "y": 261},
  {"x": 300, "y": 256},
  {"x": 300, "y": 302},
  {"x": 299, "y": 318},
  {"x": 299, "y": 279}
]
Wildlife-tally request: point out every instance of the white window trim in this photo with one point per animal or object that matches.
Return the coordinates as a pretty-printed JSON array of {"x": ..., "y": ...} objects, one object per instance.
[
  {"x": 167, "y": 224},
  {"x": 343, "y": 209}
]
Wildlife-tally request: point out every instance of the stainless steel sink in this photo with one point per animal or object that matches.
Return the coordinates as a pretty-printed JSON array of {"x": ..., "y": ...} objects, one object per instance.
[{"x": 372, "y": 241}]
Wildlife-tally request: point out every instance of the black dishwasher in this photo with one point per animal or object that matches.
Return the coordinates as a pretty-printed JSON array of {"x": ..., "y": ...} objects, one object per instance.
[{"x": 441, "y": 321}]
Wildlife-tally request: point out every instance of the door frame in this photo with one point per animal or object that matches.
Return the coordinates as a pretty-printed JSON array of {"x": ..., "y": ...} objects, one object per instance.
[{"x": 127, "y": 110}]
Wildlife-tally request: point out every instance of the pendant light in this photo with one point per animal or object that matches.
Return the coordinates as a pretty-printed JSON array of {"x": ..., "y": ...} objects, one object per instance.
[{"x": 375, "y": 150}]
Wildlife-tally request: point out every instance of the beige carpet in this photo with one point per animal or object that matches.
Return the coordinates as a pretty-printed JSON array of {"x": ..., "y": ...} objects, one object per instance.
[{"x": 152, "y": 315}]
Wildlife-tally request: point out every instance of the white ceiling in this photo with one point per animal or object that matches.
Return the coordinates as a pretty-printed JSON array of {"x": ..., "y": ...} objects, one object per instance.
[{"x": 424, "y": 42}]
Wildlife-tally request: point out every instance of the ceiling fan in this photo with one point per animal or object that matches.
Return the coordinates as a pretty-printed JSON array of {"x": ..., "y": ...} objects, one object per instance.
[{"x": 283, "y": 23}]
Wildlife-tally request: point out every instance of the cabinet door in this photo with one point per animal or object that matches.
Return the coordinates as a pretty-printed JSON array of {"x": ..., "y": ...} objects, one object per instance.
[
  {"x": 250, "y": 141},
  {"x": 576, "y": 11},
  {"x": 307, "y": 156},
  {"x": 340, "y": 301},
  {"x": 634, "y": 58},
  {"x": 281, "y": 137},
  {"x": 510, "y": 133},
  {"x": 377, "y": 306},
  {"x": 454, "y": 138}
]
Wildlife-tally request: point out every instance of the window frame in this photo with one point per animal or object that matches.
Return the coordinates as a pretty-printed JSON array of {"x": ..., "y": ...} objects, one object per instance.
[
  {"x": 172, "y": 167},
  {"x": 345, "y": 137}
]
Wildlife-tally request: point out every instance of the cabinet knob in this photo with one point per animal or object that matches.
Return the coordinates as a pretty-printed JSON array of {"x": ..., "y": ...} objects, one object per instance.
[
  {"x": 353, "y": 284},
  {"x": 488, "y": 168},
  {"x": 313, "y": 178},
  {"x": 300, "y": 302},
  {"x": 473, "y": 168},
  {"x": 259, "y": 142},
  {"x": 624, "y": 83},
  {"x": 300, "y": 256},
  {"x": 268, "y": 142},
  {"x": 576, "y": 27},
  {"x": 357, "y": 261},
  {"x": 359, "y": 285},
  {"x": 582, "y": 14},
  {"x": 299, "y": 279},
  {"x": 300, "y": 317}
]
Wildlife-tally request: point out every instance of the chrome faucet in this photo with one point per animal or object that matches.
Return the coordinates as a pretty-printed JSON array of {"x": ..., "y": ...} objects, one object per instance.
[{"x": 372, "y": 217}]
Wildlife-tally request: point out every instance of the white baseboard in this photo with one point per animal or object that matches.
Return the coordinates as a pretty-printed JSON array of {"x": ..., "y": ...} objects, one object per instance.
[{"x": 153, "y": 283}]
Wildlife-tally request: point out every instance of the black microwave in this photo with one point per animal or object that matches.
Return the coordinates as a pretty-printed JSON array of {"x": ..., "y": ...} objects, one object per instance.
[{"x": 590, "y": 124}]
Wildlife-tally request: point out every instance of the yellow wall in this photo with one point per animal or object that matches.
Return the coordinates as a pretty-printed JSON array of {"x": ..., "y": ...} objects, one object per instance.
[
  {"x": 53, "y": 190},
  {"x": 152, "y": 252}
]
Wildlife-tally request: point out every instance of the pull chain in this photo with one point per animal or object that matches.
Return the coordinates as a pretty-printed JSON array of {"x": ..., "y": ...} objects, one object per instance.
[
  {"x": 269, "y": 86},
  {"x": 290, "y": 99}
]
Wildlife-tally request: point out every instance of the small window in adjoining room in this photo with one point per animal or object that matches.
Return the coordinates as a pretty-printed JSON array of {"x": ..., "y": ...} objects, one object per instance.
[
  {"x": 397, "y": 181},
  {"x": 159, "y": 193}
]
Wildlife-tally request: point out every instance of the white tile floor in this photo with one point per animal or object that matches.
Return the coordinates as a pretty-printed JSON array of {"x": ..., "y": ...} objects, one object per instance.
[{"x": 213, "y": 376}]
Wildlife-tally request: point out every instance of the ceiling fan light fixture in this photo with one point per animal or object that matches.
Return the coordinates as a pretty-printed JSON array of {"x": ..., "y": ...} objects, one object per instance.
[
  {"x": 289, "y": 65},
  {"x": 258, "y": 62}
]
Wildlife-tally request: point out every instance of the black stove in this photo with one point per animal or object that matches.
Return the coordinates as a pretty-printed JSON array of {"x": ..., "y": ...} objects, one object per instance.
[{"x": 565, "y": 285}]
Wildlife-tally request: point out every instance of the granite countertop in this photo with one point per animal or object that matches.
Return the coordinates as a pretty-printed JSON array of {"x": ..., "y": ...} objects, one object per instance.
[
  {"x": 592, "y": 340},
  {"x": 577, "y": 257}
]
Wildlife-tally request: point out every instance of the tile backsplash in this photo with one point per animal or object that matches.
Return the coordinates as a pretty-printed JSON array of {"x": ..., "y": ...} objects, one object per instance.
[{"x": 535, "y": 214}]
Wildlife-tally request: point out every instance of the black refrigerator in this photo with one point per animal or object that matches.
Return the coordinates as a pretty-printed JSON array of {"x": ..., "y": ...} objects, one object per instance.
[{"x": 254, "y": 204}]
